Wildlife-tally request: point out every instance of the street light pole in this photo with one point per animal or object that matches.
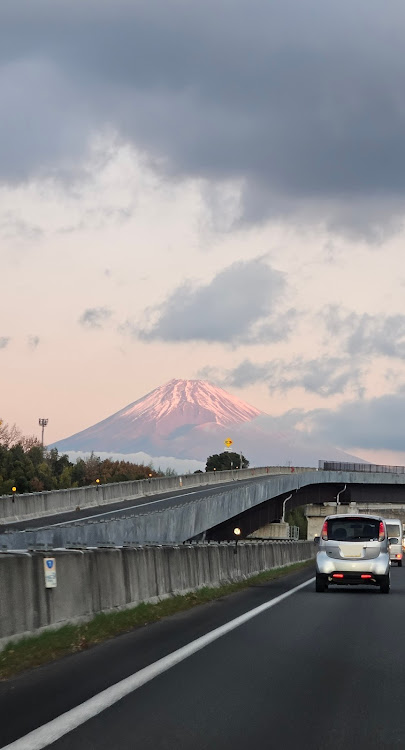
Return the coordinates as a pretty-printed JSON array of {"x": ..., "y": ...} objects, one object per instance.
[
  {"x": 338, "y": 498},
  {"x": 43, "y": 423},
  {"x": 284, "y": 502}
]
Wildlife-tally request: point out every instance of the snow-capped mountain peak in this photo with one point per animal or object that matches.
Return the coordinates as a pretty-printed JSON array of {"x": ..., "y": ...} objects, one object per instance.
[
  {"x": 190, "y": 402},
  {"x": 191, "y": 419}
]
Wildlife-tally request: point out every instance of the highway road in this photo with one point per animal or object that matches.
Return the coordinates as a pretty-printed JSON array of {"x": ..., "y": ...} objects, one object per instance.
[
  {"x": 308, "y": 671},
  {"x": 121, "y": 508}
]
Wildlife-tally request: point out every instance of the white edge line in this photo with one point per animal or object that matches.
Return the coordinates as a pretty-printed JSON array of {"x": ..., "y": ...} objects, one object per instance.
[{"x": 57, "y": 728}]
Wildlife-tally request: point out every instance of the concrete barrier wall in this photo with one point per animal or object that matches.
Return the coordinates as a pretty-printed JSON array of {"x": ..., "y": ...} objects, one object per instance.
[
  {"x": 37, "y": 504},
  {"x": 104, "y": 580}
]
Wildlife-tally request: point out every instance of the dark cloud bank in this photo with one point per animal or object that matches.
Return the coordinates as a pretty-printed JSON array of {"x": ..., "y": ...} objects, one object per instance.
[{"x": 303, "y": 102}]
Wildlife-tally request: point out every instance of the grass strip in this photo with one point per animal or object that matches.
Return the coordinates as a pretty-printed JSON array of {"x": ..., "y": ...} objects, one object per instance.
[{"x": 53, "y": 644}]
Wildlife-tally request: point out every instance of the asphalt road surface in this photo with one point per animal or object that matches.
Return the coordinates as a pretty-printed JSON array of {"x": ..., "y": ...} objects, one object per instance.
[
  {"x": 313, "y": 671},
  {"x": 122, "y": 507}
]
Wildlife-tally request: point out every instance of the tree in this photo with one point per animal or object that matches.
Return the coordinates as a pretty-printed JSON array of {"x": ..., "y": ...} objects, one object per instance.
[
  {"x": 79, "y": 473},
  {"x": 225, "y": 461},
  {"x": 297, "y": 517},
  {"x": 44, "y": 474},
  {"x": 36, "y": 454},
  {"x": 11, "y": 435},
  {"x": 65, "y": 479}
]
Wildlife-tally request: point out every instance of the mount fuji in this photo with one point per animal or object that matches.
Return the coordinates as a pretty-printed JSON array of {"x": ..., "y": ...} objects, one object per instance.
[{"x": 191, "y": 419}]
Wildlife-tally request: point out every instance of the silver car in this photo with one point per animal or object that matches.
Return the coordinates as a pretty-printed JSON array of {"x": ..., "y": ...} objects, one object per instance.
[{"x": 353, "y": 550}]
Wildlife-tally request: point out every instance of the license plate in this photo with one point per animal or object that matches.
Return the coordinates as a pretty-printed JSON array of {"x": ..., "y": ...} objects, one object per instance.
[{"x": 353, "y": 551}]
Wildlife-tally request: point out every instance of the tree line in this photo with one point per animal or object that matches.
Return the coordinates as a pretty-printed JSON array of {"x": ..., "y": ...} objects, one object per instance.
[{"x": 27, "y": 466}]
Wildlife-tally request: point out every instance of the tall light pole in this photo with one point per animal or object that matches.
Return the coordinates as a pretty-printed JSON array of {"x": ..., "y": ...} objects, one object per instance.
[
  {"x": 43, "y": 423},
  {"x": 338, "y": 498},
  {"x": 284, "y": 504}
]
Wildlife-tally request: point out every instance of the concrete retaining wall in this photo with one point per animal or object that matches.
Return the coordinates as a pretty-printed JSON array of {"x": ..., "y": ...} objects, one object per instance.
[
  {"x": 37, "y": 504},
  {"x": 103, "y": 580}
]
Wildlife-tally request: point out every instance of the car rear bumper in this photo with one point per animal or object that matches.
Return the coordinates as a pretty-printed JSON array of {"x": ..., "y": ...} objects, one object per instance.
[
  {"x": 378, "y": 567},
  {"x": 352, "y": 579}
]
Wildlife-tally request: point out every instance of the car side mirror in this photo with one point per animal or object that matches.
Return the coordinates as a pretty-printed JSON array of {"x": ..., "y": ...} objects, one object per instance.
[{"x": 316, "y": 539}]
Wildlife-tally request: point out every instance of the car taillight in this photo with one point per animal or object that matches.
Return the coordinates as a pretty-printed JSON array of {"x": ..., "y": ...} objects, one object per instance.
[
  {"x": 381, "y": 533},
  {"x": 324, "y": 533},
  {"x": 337, "y": 575},
  {"x": 398, "y": 556},
  {"x": 365, "y": 575}
]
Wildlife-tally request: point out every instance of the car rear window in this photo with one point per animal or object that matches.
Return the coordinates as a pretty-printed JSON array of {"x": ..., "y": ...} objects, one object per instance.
[
  {"x": 353, "y": 529},
  {"x": 393, "y": 529}
]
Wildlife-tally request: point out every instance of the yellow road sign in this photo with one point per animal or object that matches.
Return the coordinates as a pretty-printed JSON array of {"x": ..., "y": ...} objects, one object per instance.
[{"x": 228, "y": 442}]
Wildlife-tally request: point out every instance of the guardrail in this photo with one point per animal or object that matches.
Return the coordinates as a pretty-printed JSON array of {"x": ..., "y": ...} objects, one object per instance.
[{"x": 368, "y": 468}]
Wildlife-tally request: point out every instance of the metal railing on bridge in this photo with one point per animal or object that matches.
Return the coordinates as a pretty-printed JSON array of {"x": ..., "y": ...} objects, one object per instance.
[{"x": 369, "y": 468}]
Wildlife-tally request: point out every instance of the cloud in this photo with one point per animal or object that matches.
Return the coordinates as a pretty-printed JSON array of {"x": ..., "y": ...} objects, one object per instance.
[
  {"x": 33, "y": 342},
  {"x": 325, "y": 376},
  {"x": 303, "y": 112},
  {"x": 13, "y": 227},
  {"x": 375, "y": 423},
  {"x": 233, "y": 308},
  {"x": 4, "y": 341},
  {"x": 179, "y": 465},
  {"x": 95, "y": 317},
  {"x": 367, "y": 334}
]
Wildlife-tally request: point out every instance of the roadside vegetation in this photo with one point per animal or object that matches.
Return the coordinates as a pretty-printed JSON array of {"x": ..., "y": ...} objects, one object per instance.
[
  {"x": 24, "y": 464},
  {"x": 69, "y": 639}
]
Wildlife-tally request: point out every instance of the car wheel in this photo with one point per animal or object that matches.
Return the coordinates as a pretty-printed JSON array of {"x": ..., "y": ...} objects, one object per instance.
[
  {"x": 385, "y": 585},
  {"x": 320, "y": 584},
  {"x": 399, "y": 563}
]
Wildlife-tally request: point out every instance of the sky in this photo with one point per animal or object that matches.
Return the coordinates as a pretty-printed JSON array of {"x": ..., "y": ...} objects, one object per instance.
[{"x": 205, "y": 190}]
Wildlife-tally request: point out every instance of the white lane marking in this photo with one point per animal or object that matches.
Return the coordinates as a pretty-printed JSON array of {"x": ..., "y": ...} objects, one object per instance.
[
  {"x": 119, "y": 510},
  {"x": 57, "y": 728}
]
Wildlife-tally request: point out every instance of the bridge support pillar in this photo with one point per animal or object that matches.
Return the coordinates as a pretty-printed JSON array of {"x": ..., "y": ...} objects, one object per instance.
[
  {"x": 316, "y": 513},
  {"x": 271, "y": 531}
]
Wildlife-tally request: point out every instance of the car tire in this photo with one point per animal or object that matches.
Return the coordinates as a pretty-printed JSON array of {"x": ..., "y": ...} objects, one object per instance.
[
  {"x": 385, "y": 585},
  {"x": 399, "y": 563},
  {"x": 320, "y": 584}
]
